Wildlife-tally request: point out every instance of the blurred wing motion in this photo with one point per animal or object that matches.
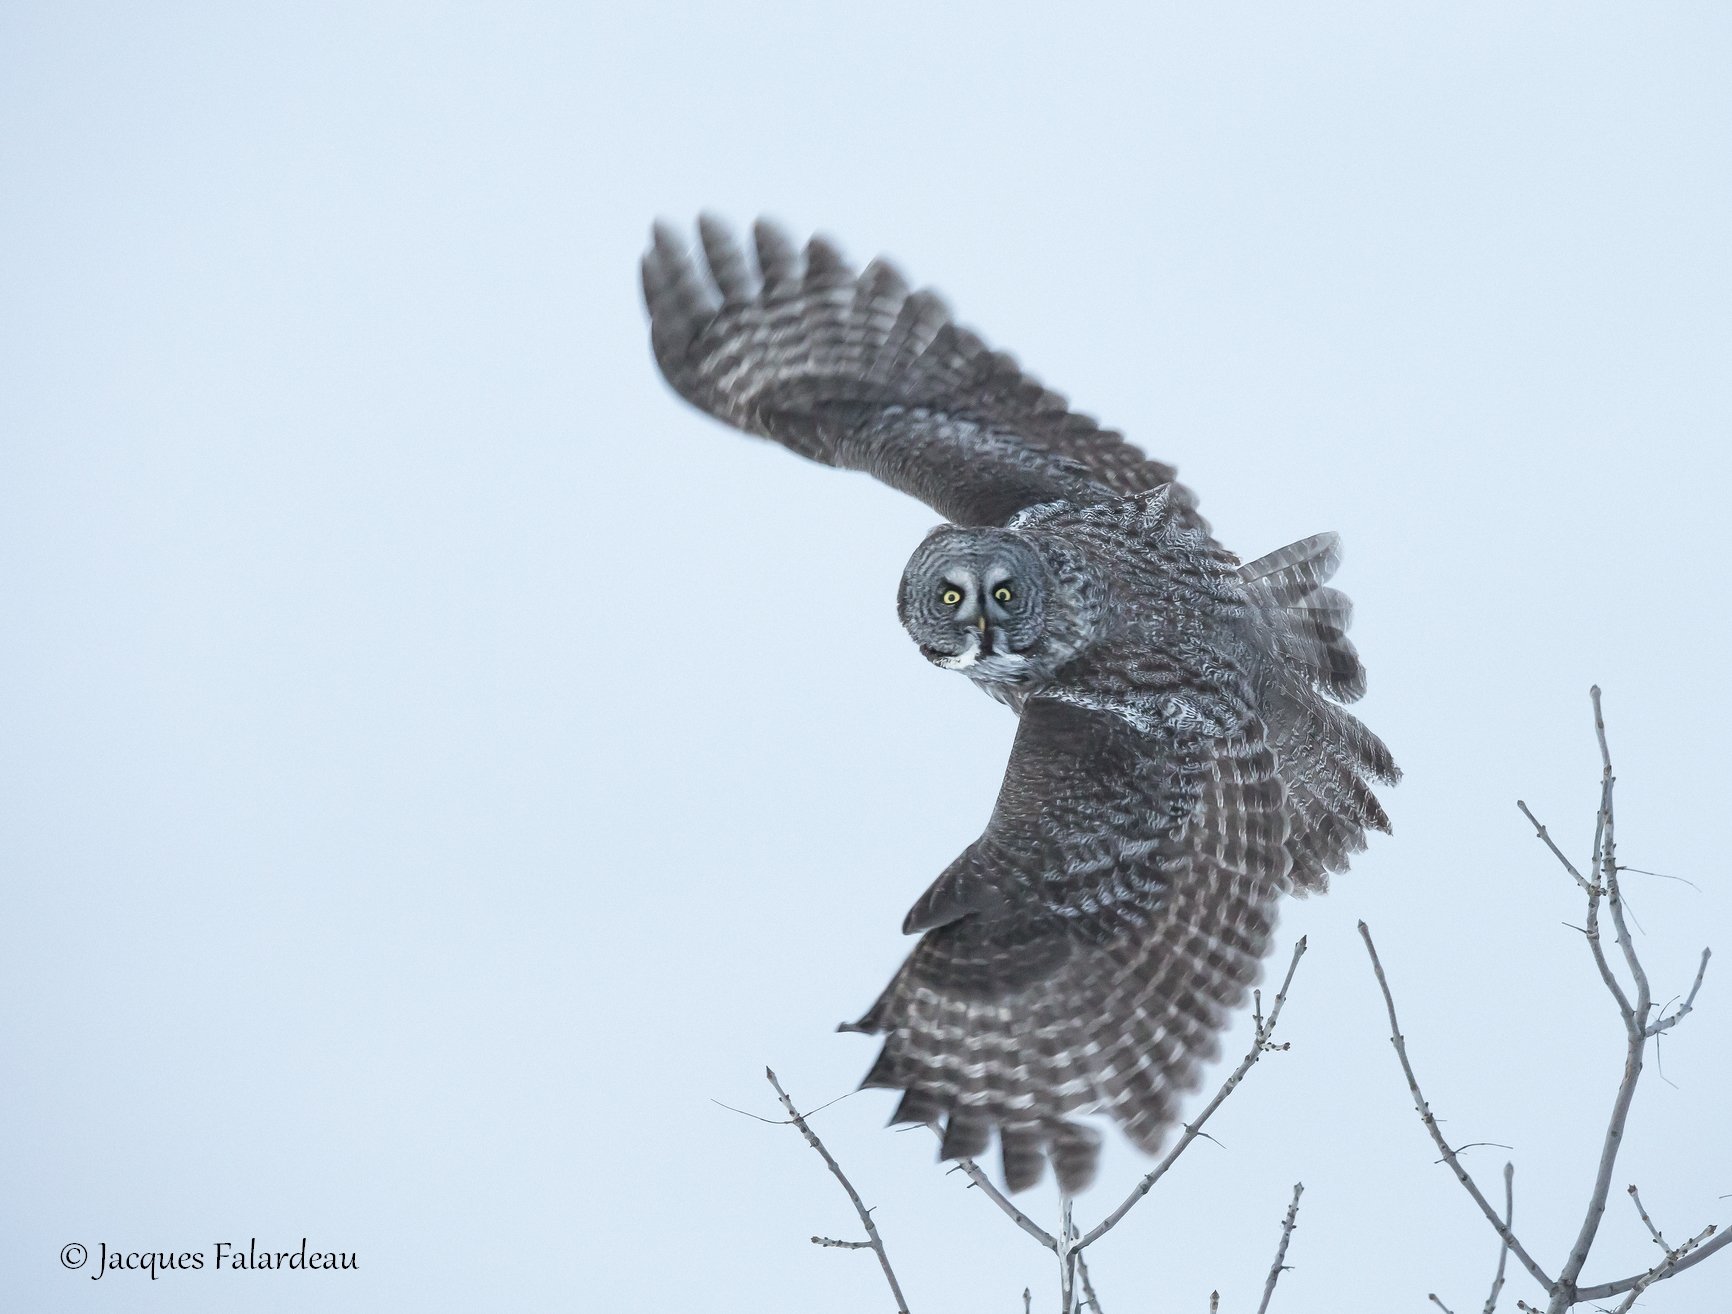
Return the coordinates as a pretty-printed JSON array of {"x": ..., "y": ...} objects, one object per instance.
[
  {"x": 857, "y": 371},
  {"x": 1082, "y": 955}
]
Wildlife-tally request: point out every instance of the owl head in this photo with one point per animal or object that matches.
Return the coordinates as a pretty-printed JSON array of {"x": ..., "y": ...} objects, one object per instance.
[{"x": 976, "y": 600}]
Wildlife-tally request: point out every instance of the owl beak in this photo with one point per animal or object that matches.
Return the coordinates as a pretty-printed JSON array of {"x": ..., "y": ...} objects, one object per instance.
[{"x": 984, "y": 647}]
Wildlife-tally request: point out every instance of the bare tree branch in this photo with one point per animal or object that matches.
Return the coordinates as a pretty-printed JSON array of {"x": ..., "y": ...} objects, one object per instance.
[
  {"x": 872, "y": 1239},
  {"x": 978, "y": 1177},
  {"x": 1503, "y": 1250},
  {"x": 1276, "y": 1269},
  {"x": 1664, "y": 1269},
  {"x": 1546, "y": 839},
  {"x": 1592, "y": 931},
  {"x": 1067, "y": 1257},
  {"x": 1426, "y": 1116},
  {"x": 1260, "y": 1045},
  {"x": 1088, "y": 1287},
  {"x": 1636, "y": 1199},
  {"x": 1683, "y": 1010},
  {"x": 1635, "y": 1005},
  {"x": 1634, "y": 1015},
  {"x": 1609, "y": 862},
  {"x": 1688, "y": 1255}
]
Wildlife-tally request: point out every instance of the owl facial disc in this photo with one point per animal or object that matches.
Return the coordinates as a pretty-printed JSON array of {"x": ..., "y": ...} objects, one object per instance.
[{"x": 973, "y": 600}]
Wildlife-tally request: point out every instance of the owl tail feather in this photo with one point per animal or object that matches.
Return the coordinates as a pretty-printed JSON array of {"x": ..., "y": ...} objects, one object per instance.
[{"x": 1329, "y": 759}]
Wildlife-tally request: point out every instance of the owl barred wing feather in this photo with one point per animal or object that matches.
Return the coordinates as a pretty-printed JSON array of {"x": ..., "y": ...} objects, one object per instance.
[
  {"x": 1082, "y": 955},
  {"x": 859, "y": 371},
  {"x": 1328, "y": 760}
]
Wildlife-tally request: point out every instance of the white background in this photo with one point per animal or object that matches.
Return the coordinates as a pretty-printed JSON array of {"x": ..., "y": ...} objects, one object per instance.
[{"x": 438, "y": 764}]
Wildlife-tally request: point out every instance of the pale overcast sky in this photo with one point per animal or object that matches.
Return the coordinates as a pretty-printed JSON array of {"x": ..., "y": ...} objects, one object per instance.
[{"x": 439, "y": 765}]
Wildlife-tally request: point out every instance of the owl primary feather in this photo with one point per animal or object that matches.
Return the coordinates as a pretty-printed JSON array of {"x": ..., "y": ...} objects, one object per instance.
[{"x": 1182, "y": 759}]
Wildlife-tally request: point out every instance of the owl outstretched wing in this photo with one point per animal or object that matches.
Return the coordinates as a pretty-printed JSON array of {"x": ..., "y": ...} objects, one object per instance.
[
  {"x": 858, "y": 371},
  {"x": 1082, "y": 956}
]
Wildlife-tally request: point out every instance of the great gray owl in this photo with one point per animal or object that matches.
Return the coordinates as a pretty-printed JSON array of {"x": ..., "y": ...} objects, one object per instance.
[{"x": 1181, "y": 758}]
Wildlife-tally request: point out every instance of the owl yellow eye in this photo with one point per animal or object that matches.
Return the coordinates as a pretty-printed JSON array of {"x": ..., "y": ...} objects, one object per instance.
[
  {"x": 952, "y": 597},
  {"x": 1002, "y": 593}
]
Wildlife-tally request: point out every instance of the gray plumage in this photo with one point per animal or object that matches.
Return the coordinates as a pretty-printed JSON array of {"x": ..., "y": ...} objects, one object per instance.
[{"x": 1182, "y": 757}]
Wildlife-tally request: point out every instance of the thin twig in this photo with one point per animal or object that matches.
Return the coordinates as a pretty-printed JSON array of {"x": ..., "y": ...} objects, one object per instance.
[
  {"x": 1683, "y": 1010},
  {"x": 1259, "y": 1045},
  {"x": 1503, "y": 1250},
  {"x": 1088, "y": 1287},
  {"x": 1280, "y": 1264},
  {"x": 1609, "y": 862},
  {"x": 872, "y": 1238},
  {"x": 1659, "y": 875},
  {"x": 1636, "y": 1199},
  {"x": 832, "y": 1243},
  {"x": 1688, "y": 1255},
  {"x": 1635, "y": 1011},
  {"x": 1479, "y": 1145},
  {"x": 1664, "y": 1269},
  {"x": 978, "y": 1177},
  {"x": 1591, "y": 932},
  {"x": 1432, "y": 1297},
  {"x": 1429, "y": 1119},
  {"x": 1557, "y": 853},
  {"x": 784, "y": 1122}
]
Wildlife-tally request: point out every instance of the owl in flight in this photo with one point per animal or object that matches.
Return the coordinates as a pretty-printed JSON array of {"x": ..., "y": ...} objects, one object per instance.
[{"x": 1182, "y": 757}]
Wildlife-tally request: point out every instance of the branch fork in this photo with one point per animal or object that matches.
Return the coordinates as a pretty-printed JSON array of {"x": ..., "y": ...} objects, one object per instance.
[{"x": 1635, "y": 1005}]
